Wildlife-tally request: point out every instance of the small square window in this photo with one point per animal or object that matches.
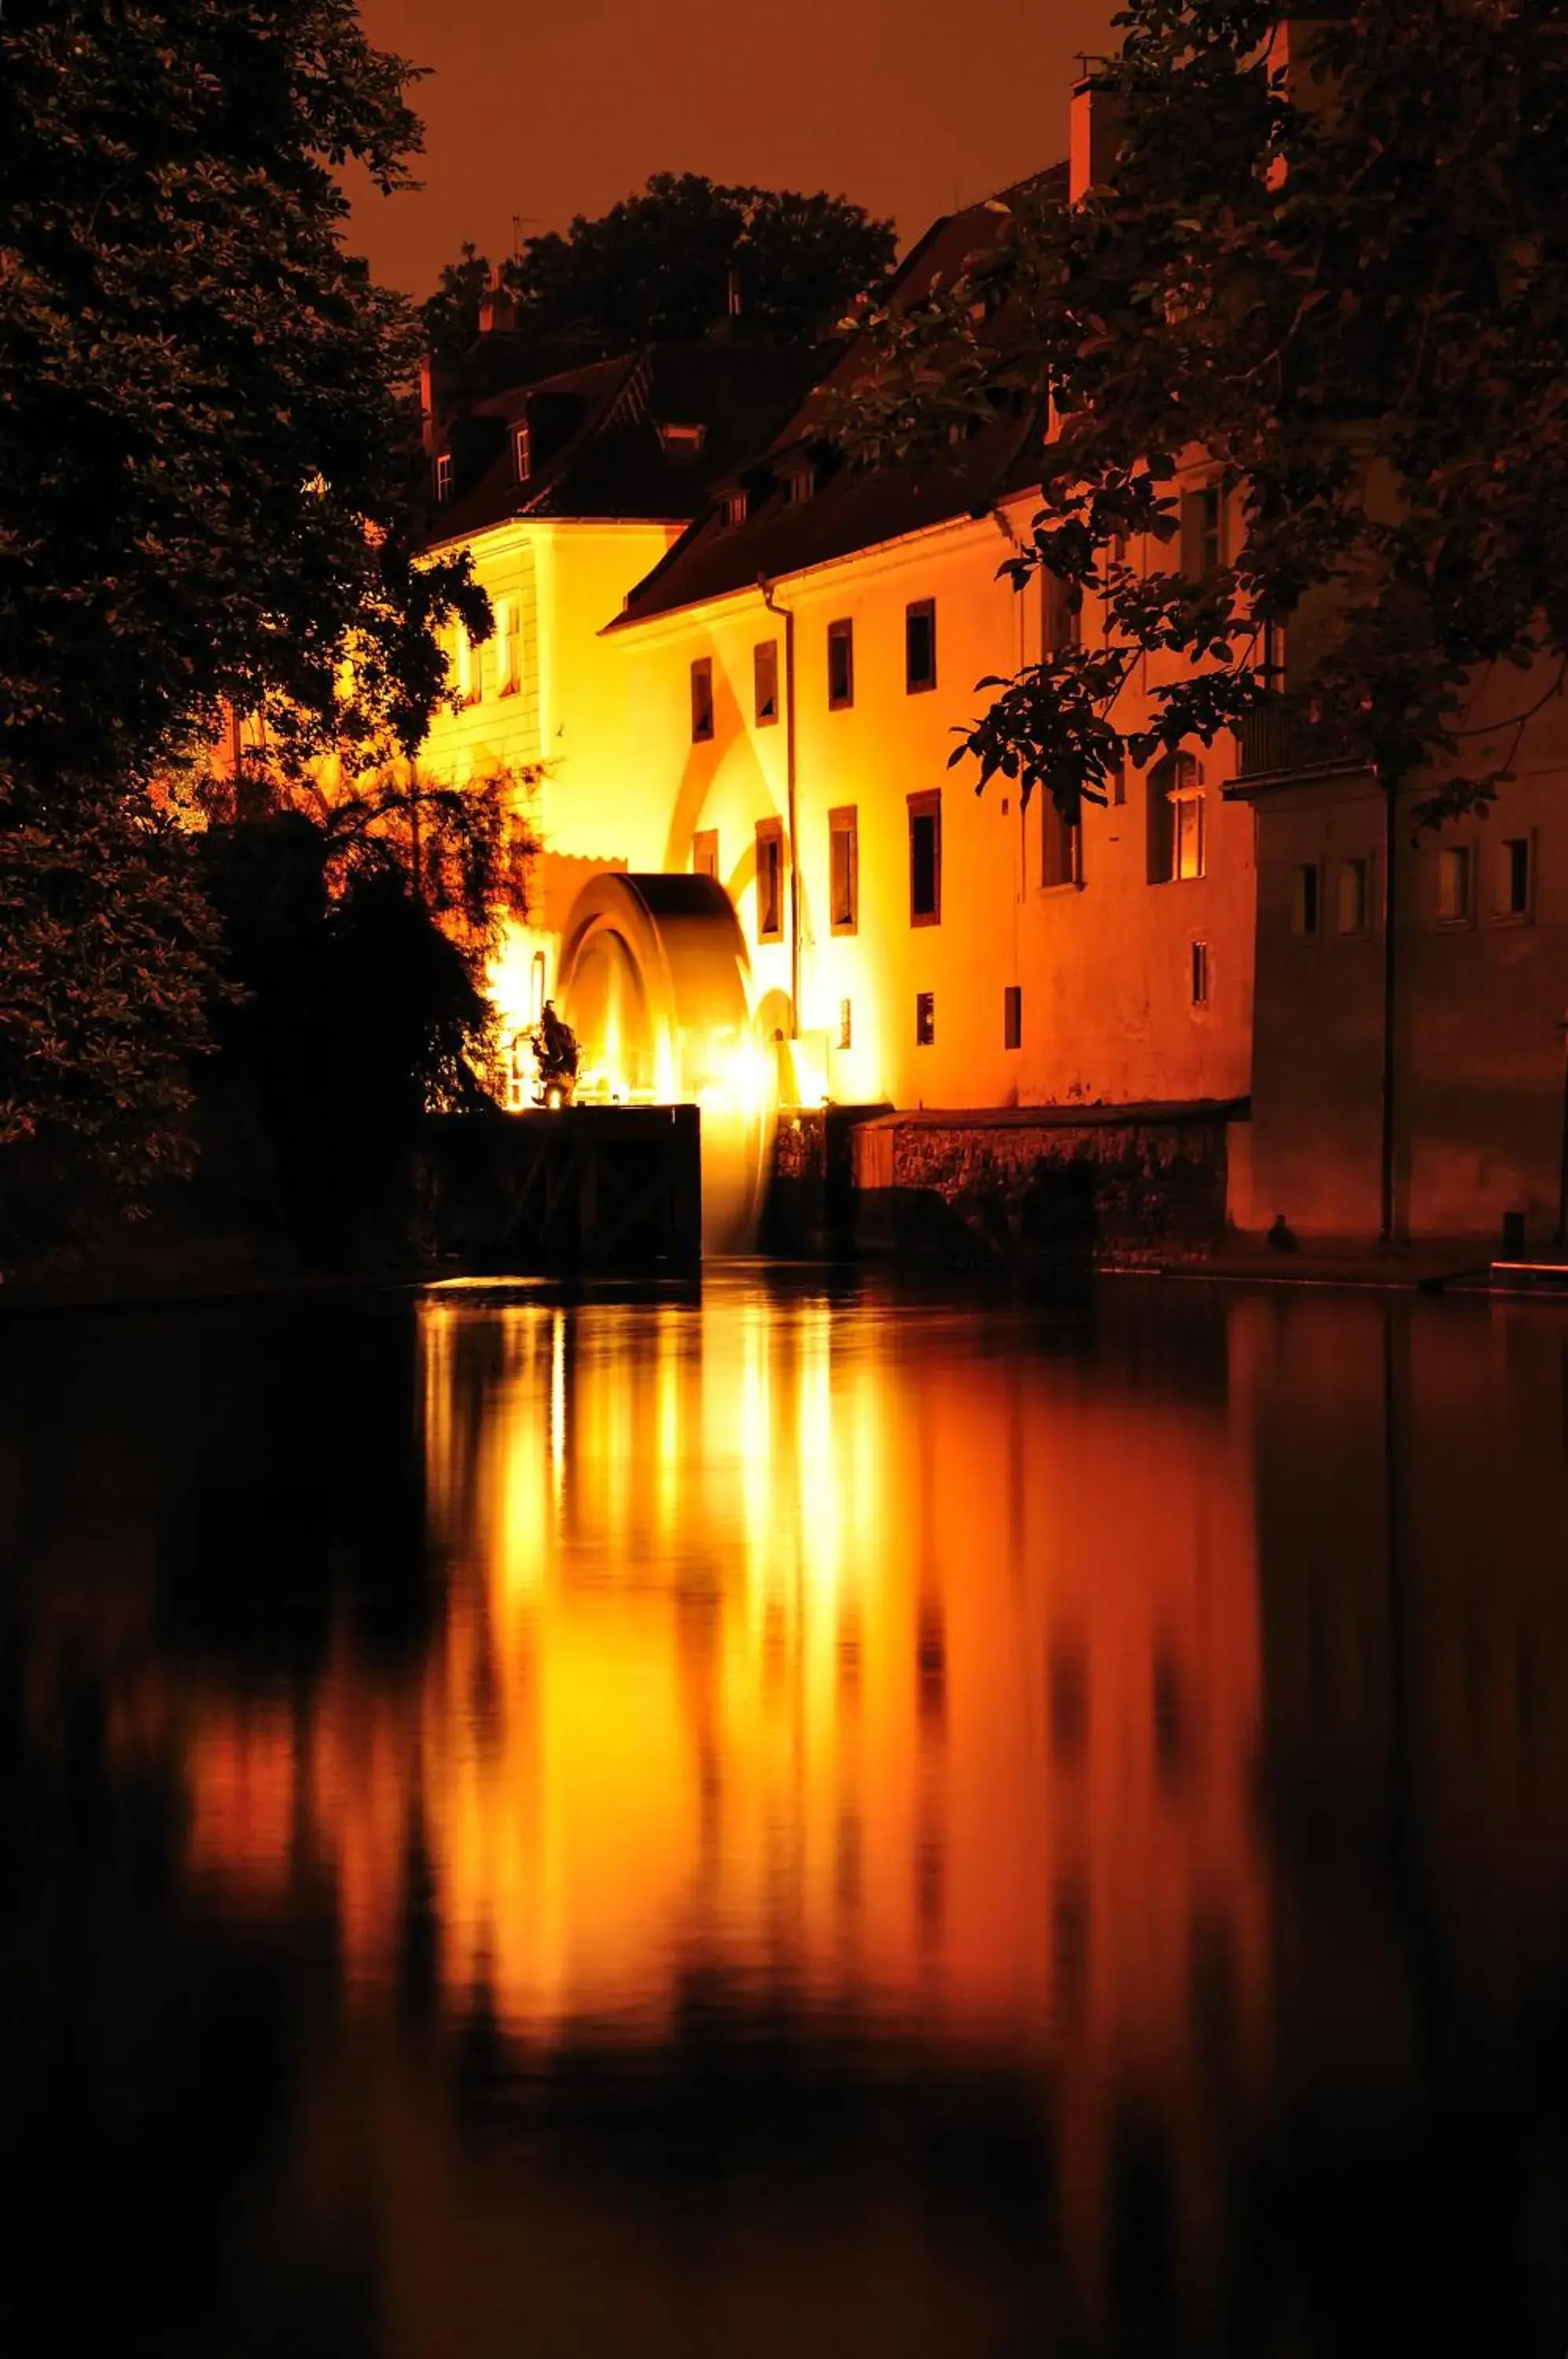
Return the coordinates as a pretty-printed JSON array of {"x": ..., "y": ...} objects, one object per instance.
[
  {"x": 846, "y": 1024},
  {"x": 798, "y": 486},
  {"x": 841, "y": 665},
  {"x": 1352, "y": 897},
  {"x": 844, "y": 869},
  {"x": 705, "y": 852},
  {"x": 1454, "y": 884},
  {"x": 702, "y": 700},
  {"x": 1199, "y": 975},
  {"x": 925, "y": 859},
  {"x": 919, "y": 646},
  {"x": 681, "y": 441},
  {"x": 1514, "y": 865},
  {"x": 443, "y": 476},
  {"x": 1013, "y": 1016},
  {"x": 769, "y": 881},
  {"x": 522, "y": 450},
  {"x": 925, "y": 1020},
  {"x": 1304, "y": 912},
  {"x": 732, "y": 509},
  {"x": 765, "y": 680}
]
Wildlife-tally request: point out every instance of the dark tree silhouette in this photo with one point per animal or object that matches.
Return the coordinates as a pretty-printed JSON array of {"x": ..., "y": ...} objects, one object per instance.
[{"x": 674, "y": 261}]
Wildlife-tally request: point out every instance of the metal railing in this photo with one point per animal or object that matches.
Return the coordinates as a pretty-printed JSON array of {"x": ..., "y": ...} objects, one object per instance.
[{"x": 1286, "y": 738}]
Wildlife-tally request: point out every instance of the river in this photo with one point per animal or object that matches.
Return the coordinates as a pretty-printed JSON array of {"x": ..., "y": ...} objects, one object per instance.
[{"x": 810, "y": 1818}]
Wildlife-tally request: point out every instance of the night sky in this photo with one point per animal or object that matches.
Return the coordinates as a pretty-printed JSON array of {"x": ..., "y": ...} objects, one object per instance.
[{"x": 554, "y": 109}]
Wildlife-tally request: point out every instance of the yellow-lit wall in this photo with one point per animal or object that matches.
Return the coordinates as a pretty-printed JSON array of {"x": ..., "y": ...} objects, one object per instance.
[{"x": 1104, "y": 966}]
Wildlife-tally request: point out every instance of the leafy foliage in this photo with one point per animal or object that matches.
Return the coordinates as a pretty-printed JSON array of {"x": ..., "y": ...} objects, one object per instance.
[
  {"x": 351, "y": 1012},
  {"x": 203, "y": 490},
  {"x": 659, "y": 265},
  {"x": 1340, "y": 280}
]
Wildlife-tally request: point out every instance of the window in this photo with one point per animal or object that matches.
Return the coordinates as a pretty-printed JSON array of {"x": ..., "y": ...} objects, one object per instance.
[
  {"x": 505, "y": 647},
  {"x": 1117, "y": 784},
  {"x": 469, "y": 685},
  {"x": 1202, "y": 532},
  {"x": 925, "y": 859},
  {"x": 1304, "y": 901},
  {"x": 1453, "y": 885},
  {"x": 846, "y": 1024},
  {"x": 1514, "y": 865},
  {"x": 1176, "y": 848},
  {"x": 1060, "y": 846},
  {"x": 925, "y": 1020},
  {"x": 1352, "y": 897},
  {"x": 798, "y": 486},
  {"x": 841, "y": 665},
  {"x": 844, "y": 869},
  {"x": 769, "y": 880},
  {"x": 705, "y": 852},
  {"x": 522, "y": 450},
  {"x": 702, "y": 700},
  {"x": 733, "y": 507},
  {"x": 1199, "y": 975},
  {"x": 1012, "y": 1016},
  {"x": 681, "y": 441},
  {"x": 444, "y": 476},
  {"x": 765, "y": 680},
  {"x": 1063, "y": 613},
  {"x": 919, "y": 646}
]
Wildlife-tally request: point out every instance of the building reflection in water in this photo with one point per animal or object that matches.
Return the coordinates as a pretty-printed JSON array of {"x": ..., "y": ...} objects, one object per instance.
[{"x": 854, "y": 1659}]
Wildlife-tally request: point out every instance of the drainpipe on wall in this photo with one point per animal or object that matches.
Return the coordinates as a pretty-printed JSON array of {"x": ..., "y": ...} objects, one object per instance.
[{"x": 786, "y": 616}]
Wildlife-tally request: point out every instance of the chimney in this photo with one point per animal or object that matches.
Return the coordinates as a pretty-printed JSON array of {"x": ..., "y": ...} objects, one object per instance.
[
  {"x": 497, "y": 309},
  {"x": 1094, "y": 136}
]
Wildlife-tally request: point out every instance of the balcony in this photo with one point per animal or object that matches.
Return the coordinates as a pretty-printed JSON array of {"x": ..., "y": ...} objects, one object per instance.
[{"x": 1284, "y": 739}]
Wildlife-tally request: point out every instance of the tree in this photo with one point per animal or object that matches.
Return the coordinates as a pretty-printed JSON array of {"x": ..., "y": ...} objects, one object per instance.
[
  {"x": 203, "y": 469},
  {"x": 1331, "y": 260},
  {"x": 350, "y": 1009},
  {"x": 669, "y": 262}
]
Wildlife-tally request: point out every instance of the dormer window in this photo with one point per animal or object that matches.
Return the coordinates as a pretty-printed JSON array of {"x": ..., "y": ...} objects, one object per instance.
[
  {"x": 522, "y": 450},
  {"x": 444, "y": 476},
  {"x": 733, "y": 507},
  {"x": 682, "y": 441},
  {"x": 798, "y": 486}
]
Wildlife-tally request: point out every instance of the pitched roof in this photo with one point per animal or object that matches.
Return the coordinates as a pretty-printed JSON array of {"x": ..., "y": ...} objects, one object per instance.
[
  {"x": 598, "y": 433},
  {"x": 851, "y": 509}
]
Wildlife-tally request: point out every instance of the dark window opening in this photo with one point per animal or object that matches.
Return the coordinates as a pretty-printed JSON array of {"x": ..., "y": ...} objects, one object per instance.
[
  {"x": 843, "y": 870},
  {"x": 1061, "y": 847},
  {"x": 925, "y": 1020},
  {"x": 1513, "y": 877},
  {"x": 925, "y": 860},
  {"x": 1013, "y": 1016},
  {"x": 1304, "y": 901},
  {"x": 764, "y": 680},
  {"x": 1199, "y": 975},
  {"x": 769, "y": 881},
  {"x": 702, "y": 700},
  {"x": 919, "y": 646},
  {"x": 841, "y": 665}
]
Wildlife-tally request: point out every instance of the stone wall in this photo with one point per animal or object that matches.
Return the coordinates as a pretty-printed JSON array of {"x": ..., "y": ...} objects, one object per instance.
[{"x": 1047, "y": 1186}]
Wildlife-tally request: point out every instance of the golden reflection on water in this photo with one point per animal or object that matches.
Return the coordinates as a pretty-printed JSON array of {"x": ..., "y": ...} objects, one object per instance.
[{"x": 848, "y": 1654}]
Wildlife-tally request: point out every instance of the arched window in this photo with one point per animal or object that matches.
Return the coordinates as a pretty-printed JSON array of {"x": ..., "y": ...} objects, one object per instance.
[{"x": 1176, "y": 848}]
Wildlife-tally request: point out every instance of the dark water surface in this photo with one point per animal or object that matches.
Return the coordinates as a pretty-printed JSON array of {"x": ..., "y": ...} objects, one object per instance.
[{"x": 812, "y": 1823}]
